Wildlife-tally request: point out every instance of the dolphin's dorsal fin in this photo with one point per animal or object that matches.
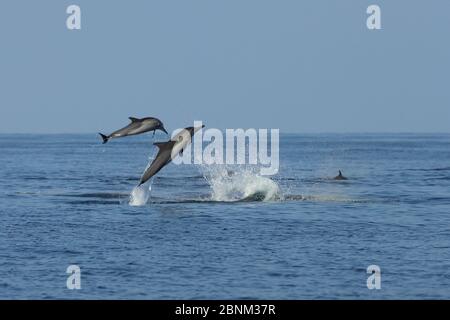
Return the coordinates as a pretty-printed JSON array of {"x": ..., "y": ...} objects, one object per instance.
[
  {"x": 164, "y": 145},
  {"x": 133, "y": 119}
]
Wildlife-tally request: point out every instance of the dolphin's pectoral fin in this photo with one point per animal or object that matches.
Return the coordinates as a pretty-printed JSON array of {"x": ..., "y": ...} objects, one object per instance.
[{"x": 181, "y": 152}]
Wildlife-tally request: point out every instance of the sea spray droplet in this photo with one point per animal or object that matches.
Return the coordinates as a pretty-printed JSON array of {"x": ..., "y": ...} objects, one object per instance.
[
  {"x": 240, "y": 184},
  {"x": 139, "y": 196}
]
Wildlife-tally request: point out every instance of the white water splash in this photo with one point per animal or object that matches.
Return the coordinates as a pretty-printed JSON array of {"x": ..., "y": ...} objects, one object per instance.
[
  {"x": 240, "y": 184},
  {"x": 139, "y": 196}
]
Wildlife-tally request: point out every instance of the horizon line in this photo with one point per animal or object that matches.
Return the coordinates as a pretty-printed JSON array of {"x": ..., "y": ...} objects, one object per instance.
[{"x": 281, "y": 132}]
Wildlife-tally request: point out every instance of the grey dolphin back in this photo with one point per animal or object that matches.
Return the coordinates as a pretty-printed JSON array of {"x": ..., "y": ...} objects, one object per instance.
[
  {"x": 135, "y": 127},
  {"x": 163, "y": 157},
  {"x": 166, "y": 149},
  {"x": 340, "y": 176}
]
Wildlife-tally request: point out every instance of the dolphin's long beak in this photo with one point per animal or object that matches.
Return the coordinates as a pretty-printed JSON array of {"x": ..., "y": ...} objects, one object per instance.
[{"x": 164, "y": 130}]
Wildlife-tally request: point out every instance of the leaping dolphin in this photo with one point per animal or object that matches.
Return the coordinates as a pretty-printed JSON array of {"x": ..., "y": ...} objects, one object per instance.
[
  {"x": 168, "y": 151},
  {"x": 340, "y": 176},
  {"x": 137, "y": 126}
]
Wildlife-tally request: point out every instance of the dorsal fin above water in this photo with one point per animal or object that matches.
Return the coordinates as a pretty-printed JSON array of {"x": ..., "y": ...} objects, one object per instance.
[
  {"x": 164, "y": 145},
  {"x": 133, "y": 119}
]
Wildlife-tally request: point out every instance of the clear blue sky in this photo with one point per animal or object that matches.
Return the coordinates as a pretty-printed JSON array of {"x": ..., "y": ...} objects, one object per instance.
[{"x": 301, "y": 66}]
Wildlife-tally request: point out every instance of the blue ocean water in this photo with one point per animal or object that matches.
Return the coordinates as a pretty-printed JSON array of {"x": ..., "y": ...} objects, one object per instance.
[{"x": 64, "y": 200}]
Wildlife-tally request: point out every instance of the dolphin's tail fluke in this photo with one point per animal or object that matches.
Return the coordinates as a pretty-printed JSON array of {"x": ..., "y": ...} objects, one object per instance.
[{"x": 105, "y": 138}]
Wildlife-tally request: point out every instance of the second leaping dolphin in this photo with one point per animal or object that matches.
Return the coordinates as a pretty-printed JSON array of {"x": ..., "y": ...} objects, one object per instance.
[
  {"x": 137, "y": 126},
  {"x": 168, "y": 151}
]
